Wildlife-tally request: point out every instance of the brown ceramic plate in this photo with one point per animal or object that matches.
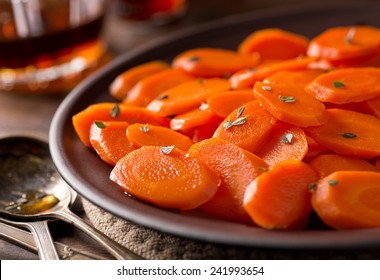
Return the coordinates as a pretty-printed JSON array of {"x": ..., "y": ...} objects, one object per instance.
[{"x": 89, "y": 175}]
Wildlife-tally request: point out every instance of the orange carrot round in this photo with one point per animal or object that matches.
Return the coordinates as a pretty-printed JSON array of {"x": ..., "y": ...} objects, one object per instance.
[
  {"x": 212, "y": 62},
  {"x": 187, "y": 96},
  {"x": 225, "y": 102},
  {"x": 246, "y": 78},
  {"x": 290, "y": 104},
  {"x": 109, "y": 140},
  {"x": 153, "y": 85},
  {"x": 274, "y": 43},
  {"x": 166, "y": 177},
  {"x": 346, "y": 85},
  {"x": 108, "y": 111},
  {"x": 284, "y": 142},
  {"x": 247, "y": 126},
  {"x": 280, "y": 197},
  {"x": 348, "y": 133},
  {"x": 346, "y": 45},
  {"x": 124, "y": 82},
  {"x": 194, "y": 118},
  {"x": 324, "y": 165},
  {"x": 348, "y": 199},
  {"x": 151, "y": 135},
  {"x": 236, "y": 168},
  {"x": 299, "y": 78}
]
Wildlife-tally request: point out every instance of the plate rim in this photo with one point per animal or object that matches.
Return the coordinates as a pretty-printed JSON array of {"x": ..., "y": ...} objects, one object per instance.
[{"x": 179, "y": 223}]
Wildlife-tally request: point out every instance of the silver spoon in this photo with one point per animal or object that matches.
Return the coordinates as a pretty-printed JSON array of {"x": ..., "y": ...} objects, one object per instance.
[{"x": 52, "y": 196}]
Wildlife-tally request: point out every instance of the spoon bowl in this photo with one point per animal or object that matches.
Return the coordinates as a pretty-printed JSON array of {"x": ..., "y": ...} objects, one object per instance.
[{"x": 32, "y": 189}]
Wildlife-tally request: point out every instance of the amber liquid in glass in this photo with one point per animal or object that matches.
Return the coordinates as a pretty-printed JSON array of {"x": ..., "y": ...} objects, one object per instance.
[{"x": 51, "y": 52}]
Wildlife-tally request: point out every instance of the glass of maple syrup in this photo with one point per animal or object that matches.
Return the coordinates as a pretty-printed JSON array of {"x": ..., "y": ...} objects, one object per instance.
[{"x": 48, "y": 46}]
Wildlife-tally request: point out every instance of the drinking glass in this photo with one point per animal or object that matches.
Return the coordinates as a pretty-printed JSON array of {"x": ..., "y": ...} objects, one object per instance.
[{"x": 48, "y": 46}]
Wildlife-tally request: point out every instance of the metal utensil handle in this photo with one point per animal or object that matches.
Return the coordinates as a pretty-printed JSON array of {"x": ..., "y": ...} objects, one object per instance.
[
  {"x": 111, "y": 246},
  {"x": 43, "y": 239}
]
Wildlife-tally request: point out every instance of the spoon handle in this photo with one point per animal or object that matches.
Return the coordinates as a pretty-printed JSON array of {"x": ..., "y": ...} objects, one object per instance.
[
  {"x": 43, "y": 239},
  {"x": 111, "y": 246}
]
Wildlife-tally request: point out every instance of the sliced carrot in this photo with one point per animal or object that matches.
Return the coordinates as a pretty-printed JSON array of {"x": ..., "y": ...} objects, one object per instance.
[
  {"x": 290, "y": 104},
  {"x": 296, "y": 78},
  {"x": 372, "y": 107},
  {"x": 129, "y": 78},
  {"x": 346, "y": 85},
  {"x": 236, "y": 168},
  {"x": 324, "y": 165},
  {"x": 154, "y": 85},
  {"x": 247, "y": 127},
  {"x": 348, "y": 199},
  {"x": 166, "y": 177},
  {"x": 187, "y": 96},
  {"x": 274, "y": 43},
  {"x": 194, "y": 118},
  {"x": 83, "y": 120},
  {"x": 151, "y": 135},
  {"x": 348, "y": 133},
  {"x": 247, "y": 77},
  {"x": 314, "y": 149},
  {"x": 109, "y": 140},
  {"x": 205, "y": 131},
  {"x": 346, "y": 45},
  {"x": 284, "y": 142},
  {"x": 225, "y": 102},
  {"x": 377, "y": 163},
  {"x": 280, "y": 197},
  {"x": 212, "y": 62}
]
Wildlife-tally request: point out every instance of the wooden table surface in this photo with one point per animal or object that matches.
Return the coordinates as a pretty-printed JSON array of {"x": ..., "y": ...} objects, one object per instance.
[{"x": 31, "y": 115}]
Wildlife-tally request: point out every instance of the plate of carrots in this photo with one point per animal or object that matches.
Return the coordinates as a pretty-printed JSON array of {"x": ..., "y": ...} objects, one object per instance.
[{"x": 261, "y": 129}]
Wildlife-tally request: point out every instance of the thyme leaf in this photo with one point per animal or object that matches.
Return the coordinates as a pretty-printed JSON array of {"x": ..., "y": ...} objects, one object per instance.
[
  {"x": 115, "y": 112},
  {"x": 144, "y": 128},
  {"x": 287, "y": 138},
  {"x": 312, "y": 187},
  {"x": 267, "y": 88},
  {"x": 348, "y": 135},
  {"x": 350, "y": 35},
  {"x": 333, "y": 182},
  {"x": 239, "y": 121},
  {"x": 287, "y": 99},
  {"x": 100, "y": 124},
  {"x": 194, "y": 58},
  {"x": 162, "y": 97},
  {"x": 167, "y": 149},
  {"x": 338, "y": 84},
  {"x": 240, "y": 112}
]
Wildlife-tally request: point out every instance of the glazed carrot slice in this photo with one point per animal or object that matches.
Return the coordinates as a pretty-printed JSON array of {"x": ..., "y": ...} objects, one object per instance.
[
  {"x": 83, "y": 120},
  {"x": 314, "y": 149},
  {"x": 346, "y": 85},
  {"x": 274, "y": 43},
  {"x": 377, "y": 163},
  {"x": 290, "y": 104},
  {"x": 194, "y": 118},
  {"x": 247, "y": 126},
  {"x": 129, "y": 78},
  {"x": 247, "y": 77},
  {"x": 324, "y": 165},
  {"x": 236, "y": 168},
  {"x": 225, "y": 102},
  {"x": 212, "y": 62},
  {"x": 284, "y": 142},
  {"x": 348, "y": 199},
  {"x": 166, "y": 177},
  {"x": 348, "y": 133},
  {"x": 372, "y": 107},
  {"x": 280, "y": 198},
  {"x": 154, "y": 85},
  {"x": 187, "y": 96},
  {"x": 205, "y": 131},
  {"x": 109, "y": 140},
  {"x": 346, "y": 45},
  {"x": 151, "y": 135},
  {"x": 296, "y": 78}
]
